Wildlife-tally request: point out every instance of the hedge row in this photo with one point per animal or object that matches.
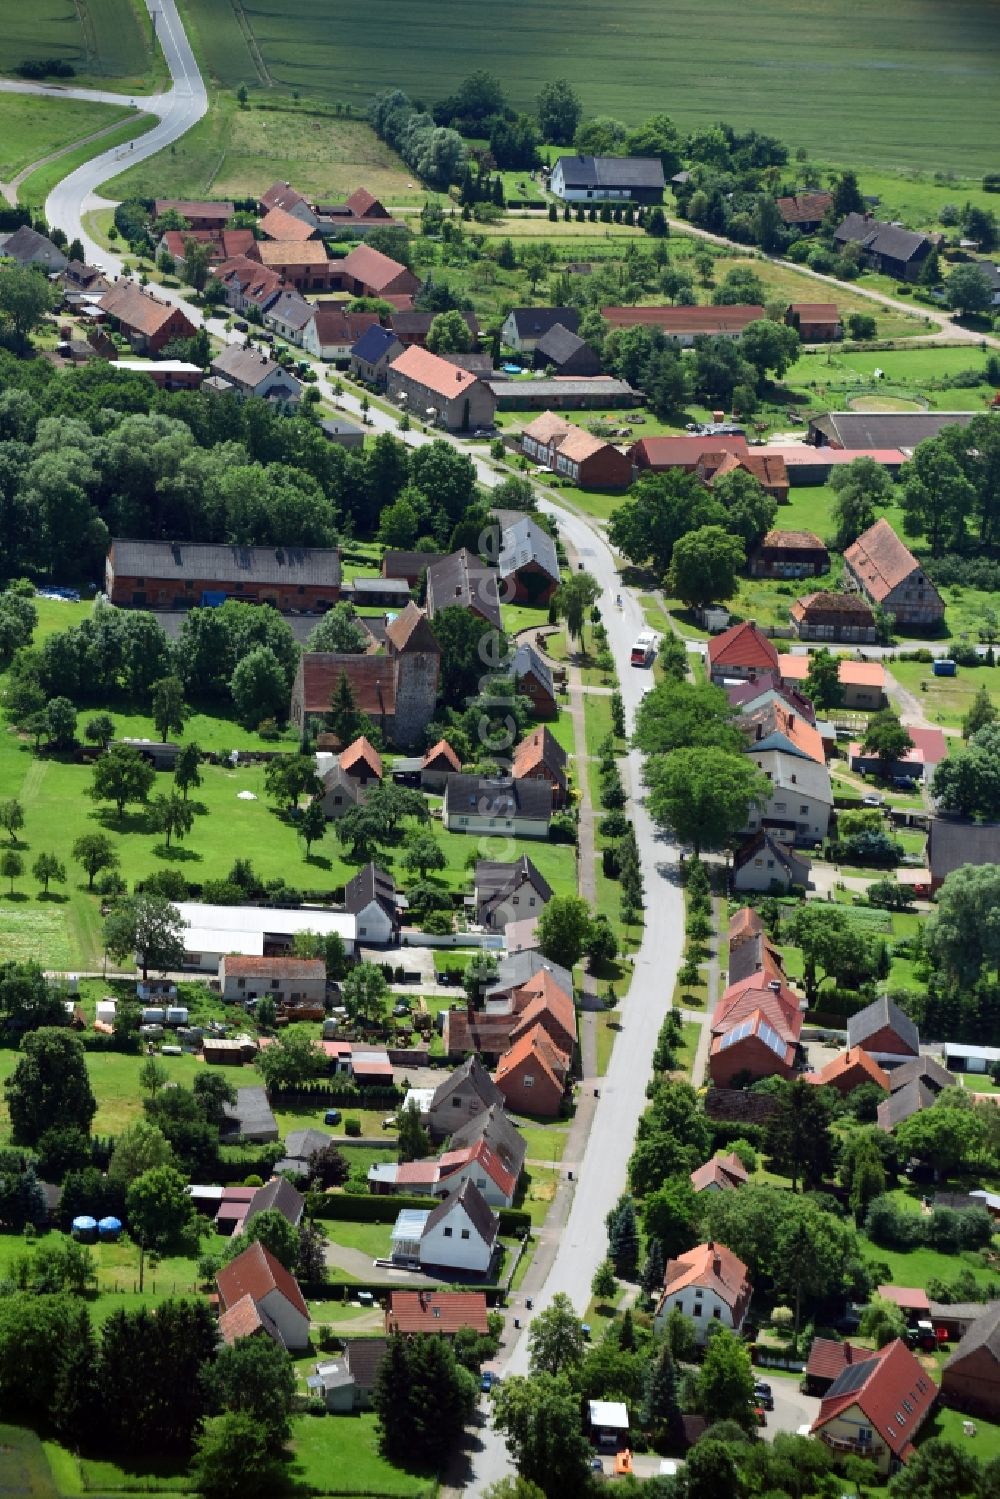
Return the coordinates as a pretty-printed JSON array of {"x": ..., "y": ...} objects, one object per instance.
[
  {"x": 350, "y": 1209},
  {"x": 342, "y": 1092}
]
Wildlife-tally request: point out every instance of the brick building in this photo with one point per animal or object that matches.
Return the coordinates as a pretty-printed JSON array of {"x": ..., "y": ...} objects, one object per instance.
[{"x": 179, "y": 575}]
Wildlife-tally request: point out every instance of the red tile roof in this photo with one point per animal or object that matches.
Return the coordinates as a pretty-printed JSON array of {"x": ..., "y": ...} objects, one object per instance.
[
  {"x": 828, "y": 1358},
  {"x": 241, "y": 1320},
  {"x": 848, "y": 1067},
  {"x": 744, "y": 646},
  {"x": 550, "y": 424},
  {"x": 744, "y": 923},
  {"x": 442, "y": 751},
  {"x": 189, "y": 208},
  {"x": 371, "y": 678},
  {"x": 907, "y": 1298},
  {"x": 754, "y": 998},
  {"x": 804, "y": 208},
  {"x": 893, "y": 1376},
  {"x": 683, "y": 320},
  {"x": 683, "y": 452},
  {"x": 547, "y": 1005},
  {"x": 239, "y": 242},
  {"x": 362, "y": 751},
  {"x": 815, "y": 312},
  {"x": 134, "y": 308},
  {"x": 436, "y": 1311},
  {"x": 256, "y": 1273},
  {"x": 755, "y": 1026},
  {"x": 434, "y": 374},
  {"x": 714, "y": 1267},
  {"x": 279, "y": 225},
  {"x": 361, "y": 202},
  {"x": 849, "y": 673},
  {"x": 724, "y": 1171},
  {"x": 880, "y": 560},
  {"x": 287, "y": 968},
  {"x": 535, "y": 1045},
  {"x": 371, "y": 267},
  {"x": 480, "y": 1154}
]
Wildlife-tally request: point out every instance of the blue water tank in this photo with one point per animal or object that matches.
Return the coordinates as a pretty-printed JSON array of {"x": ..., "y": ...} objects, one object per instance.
[
  {"x": 944, "y": 668},
  {"x": 84, "y": 1227},
  {"x": 109, "y": 1228}
]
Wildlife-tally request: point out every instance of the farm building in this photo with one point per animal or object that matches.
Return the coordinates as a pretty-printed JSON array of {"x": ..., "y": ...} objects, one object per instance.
[
  {"x": 953, "y": 841},
  {"x": 658, "y": 454},
  {"x": 433, "y": 389},
  {"x": 929, "y": 748},
  {"x": 888, "y": 248},
  {"x": 368, "y": 273},
  {"x": 789, "y": 554},
  {"x": 767, "y": 468},
  {"x": 178, "y": 575},
  {"x": 862, "y": 683},
  {"x": 608, "y": 179},
  {"x": 565, "y": 353},
  {"x": 804, "y": 211},
  {"x": 882, "y": 1029},
  {"x": 686, "y": 323},
  {"x": 285, "y": 980},
  {"x": 413, "y": 327},
  {"x": 815, "y": 322},
  {"x": 212, "y": 932},
  {"x": 833, "y": 616},
  {"x": 343, "y": 434},
  {"x": 873, "y": 432},
  {"x": 200, "y": 214},
  {"x": 886, "y": 572},
  {"x": 303, "y": 264},
  {"x": 563, "y": 393},
  {"x": 970, "y": 1379}
]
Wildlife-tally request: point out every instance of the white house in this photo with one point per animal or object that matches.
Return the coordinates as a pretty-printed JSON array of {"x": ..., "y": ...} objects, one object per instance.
[
  {"x": 254, "y": 374},
  {"x": 801, "y": 800},
  {"x": 459, "y": 1234},
  {"x": 477, "y": 804},
  {"x": 257, "y": 1293},
  {"x": 608, "y": 179},
  {"x": 213, "y": 932},
  {"x": 478, "y": 1164},
  {"x": 370, "y": 897},
  {"x": 299, "y": 981},
  {"x": 709, "y": 1284}
]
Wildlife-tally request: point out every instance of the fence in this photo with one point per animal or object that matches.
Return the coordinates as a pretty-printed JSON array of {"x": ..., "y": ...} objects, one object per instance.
[{"x": 413, "y": 937}]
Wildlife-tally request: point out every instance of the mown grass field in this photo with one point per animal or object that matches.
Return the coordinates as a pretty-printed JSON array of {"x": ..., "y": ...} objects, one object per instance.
[
  {"x": 35, "y": 188},
  {"x": 106, "y": 41},
  {"x": 31, "y": 127},
  {"x": 239, "y": 153},
  {"x": 803, "y": 70}
]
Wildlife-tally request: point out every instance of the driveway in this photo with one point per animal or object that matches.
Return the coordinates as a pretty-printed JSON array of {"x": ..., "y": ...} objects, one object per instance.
[{"x": 792, "y": 1409}]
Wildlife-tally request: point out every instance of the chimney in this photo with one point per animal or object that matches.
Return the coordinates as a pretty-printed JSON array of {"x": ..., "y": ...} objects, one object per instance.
[{"x": 716, "y": 1264}]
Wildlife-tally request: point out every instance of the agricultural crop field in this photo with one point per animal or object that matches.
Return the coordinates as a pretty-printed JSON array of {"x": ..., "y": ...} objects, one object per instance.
[
  {"x": 857, "y": 81},
  {"x": 103, "y": 40}
]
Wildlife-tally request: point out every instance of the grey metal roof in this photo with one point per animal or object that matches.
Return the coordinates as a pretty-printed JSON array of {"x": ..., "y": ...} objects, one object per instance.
[
  {"x": 612, "y": 171},
  {"x": 788, "y": 772},
  {"x": 475, "y": 1075},
  {"x": 482, "y": 796},
  {"x": 303, "y": 1144},
  {"x": 252, "y": 1115},
  {"x": 364, "y": 1355},
  {"x": 216, "y": 562},
  {"x": 518, "y": 967},
  {"x": 903, "y": 1103},
  {"x": 560, "y": 344},
  {"x": 374, "y": 343},
  {"x": 926, "y": 1069},
  {"x": 339, "y": 426},
  {"x": 528, "y": 661},
  {"x": 500, "y": 1134},
  {"x": 480, "y": 1214},
  {"x": 882, "y": 1013},
  {"x": 523, "y": 542},
  {"x": 371, "y": 884},
  {"x": 534, "y": 322},
  {"x": 509, "y": 392},
  {"x": 886, "y": 429},
  {"x": 246, "y": 366},
  {"x": 953, "y": 843},
  {"x": 984, "y": 1333}
]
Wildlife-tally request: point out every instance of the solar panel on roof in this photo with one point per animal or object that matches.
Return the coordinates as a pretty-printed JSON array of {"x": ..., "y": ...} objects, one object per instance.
[
  {"x": 772, "y": 1039},
  {"x": 851, "y": 1379},
  {"x": 738, "y": 1033}
]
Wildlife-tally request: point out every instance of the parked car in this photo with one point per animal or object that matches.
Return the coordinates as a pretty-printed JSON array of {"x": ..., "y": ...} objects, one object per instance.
[
  {"x": 332, "y": 1116},
  {"x": 488, "y": 1380},
  {"x": 763, "y": 1394},
  {"x": 872, "y": 799},
  {"x": 904, "y": 783}
]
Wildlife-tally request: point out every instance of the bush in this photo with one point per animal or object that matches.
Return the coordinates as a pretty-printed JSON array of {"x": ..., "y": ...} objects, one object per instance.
[
  {"x": 352, "y": 1127},
  {"x": 562, "y": 828}
]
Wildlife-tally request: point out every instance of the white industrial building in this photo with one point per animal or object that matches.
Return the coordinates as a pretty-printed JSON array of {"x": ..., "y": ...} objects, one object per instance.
[{"x": 212, "y": 932}]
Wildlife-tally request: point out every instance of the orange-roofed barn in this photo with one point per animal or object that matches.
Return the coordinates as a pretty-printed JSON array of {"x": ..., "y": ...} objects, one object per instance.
[
  {"x": 767, "y": 468},
  {"x": 815, "y": 322},
  {"x": 434, "y": 390},
  {"x": 366, "y": 272},
  {"x": 852, "y": 1069}
]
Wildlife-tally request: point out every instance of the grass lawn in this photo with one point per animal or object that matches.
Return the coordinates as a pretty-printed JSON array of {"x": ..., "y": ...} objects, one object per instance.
[
  {"x": 784, "y": 283},
  {"x": 26, "y": 1470},
  {"x": 312, "y": 1118},
  {"x": 524, "y": 1263},
  {"x": 946, "y": 700},
  {"x": 334, "y": 1455},
  {"x": 947, "y": 1424},
  {"x": 539, "y": 1192},
  {"x": 32, "y": 127},
  {"x": 690, "y": 1034},
  {"x": 544, "y": 1142},
  {"x": 608, "y": 1026},
  {"x": 915, "y": 1267},
  {"x": 624, "y": 70},
  {"x": 368, "y": 1238},
  {"x": 114, "y": 1078},
  {"x": 237, "y": 153}
]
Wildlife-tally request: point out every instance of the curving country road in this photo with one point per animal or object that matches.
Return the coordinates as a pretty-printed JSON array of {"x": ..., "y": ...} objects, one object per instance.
[{"x": 176, "y": 110}]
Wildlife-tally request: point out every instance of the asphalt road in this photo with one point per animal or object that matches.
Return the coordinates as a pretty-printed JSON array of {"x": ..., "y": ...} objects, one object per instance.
[{"x": 176, "y": 110}]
